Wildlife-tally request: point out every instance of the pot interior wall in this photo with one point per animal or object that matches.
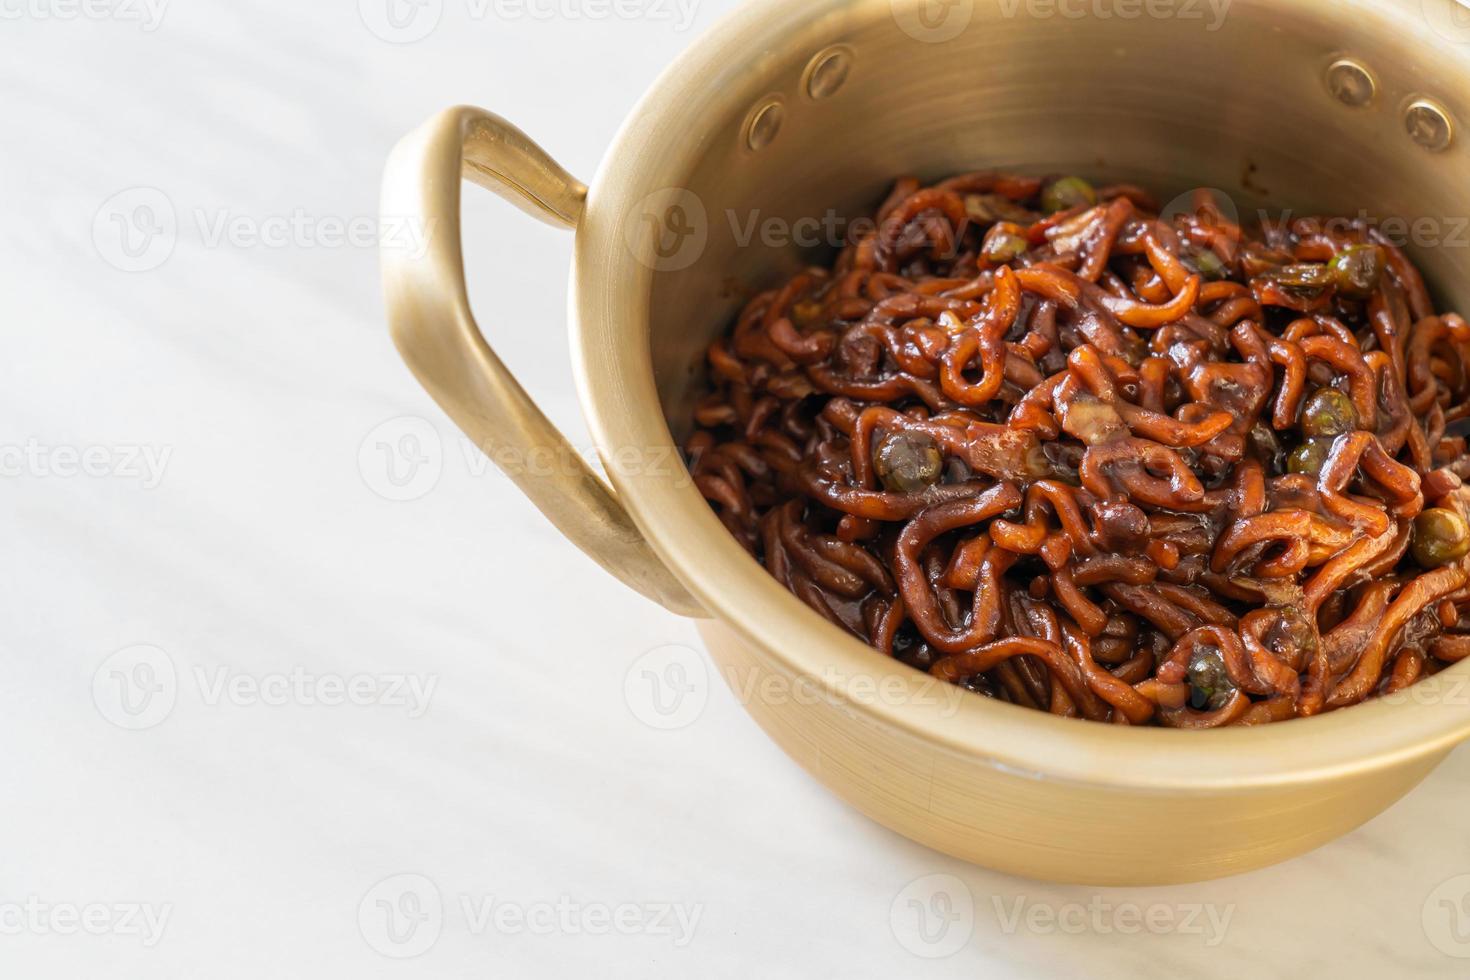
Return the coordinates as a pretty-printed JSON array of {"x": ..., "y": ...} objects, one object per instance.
[{"x": 1229, "y": 96}]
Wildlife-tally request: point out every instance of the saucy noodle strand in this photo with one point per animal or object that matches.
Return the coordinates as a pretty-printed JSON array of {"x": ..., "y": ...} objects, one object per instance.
[{"x": 1042, "y": 442}]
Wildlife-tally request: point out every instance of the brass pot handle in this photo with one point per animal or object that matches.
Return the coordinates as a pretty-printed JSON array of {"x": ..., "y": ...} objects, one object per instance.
[{"x": 433, "y": 328}]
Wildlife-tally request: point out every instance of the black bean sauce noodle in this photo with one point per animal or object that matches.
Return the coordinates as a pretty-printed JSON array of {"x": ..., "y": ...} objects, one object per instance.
[{"x": 1042, "y": 443}]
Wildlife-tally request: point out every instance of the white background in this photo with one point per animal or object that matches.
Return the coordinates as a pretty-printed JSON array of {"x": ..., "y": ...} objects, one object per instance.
[{"x": 265, "y": 547}]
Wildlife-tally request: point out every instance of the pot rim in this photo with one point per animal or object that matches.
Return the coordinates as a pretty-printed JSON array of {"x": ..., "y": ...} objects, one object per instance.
[{"x": 609, "y": 310}]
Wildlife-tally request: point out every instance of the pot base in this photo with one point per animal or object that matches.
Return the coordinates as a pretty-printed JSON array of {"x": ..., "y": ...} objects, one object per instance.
[{"x": 1027, "y": 824}]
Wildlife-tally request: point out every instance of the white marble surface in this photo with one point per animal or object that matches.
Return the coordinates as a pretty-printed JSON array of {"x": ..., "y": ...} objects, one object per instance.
[{"x": 228, "y": 516}]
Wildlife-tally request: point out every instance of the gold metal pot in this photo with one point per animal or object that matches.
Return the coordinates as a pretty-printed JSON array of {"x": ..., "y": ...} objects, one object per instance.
[{"x": 794, "y": 109}]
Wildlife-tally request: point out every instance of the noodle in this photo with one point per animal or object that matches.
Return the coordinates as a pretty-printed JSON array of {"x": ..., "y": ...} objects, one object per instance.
[{"x": 1038, "y": 441}]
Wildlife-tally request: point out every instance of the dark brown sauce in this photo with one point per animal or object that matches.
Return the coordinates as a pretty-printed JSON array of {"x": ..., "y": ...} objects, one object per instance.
[{"x": 1034, "y": 439}]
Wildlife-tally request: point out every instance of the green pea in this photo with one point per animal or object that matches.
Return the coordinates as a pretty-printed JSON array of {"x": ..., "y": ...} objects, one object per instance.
[
  {"x": 907, "y": 462},
  {"x": 1357, "y": 269},
  {"x": 1441, "y": 536},
  {"x": 1328, "y": 413},
  {"x": 1066, "y": 193},
  {"x": 1210, "y": 686},
  {"x": 1004, "y": 243},
  {"x": 1309, "y": 457}
]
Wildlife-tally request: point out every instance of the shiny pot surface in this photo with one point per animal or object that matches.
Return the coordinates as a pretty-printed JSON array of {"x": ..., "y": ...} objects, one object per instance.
[{"x": 722, "y": 182}]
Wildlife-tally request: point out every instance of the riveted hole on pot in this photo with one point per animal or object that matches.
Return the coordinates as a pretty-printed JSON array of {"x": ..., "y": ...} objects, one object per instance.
[
  {"x": 828, "y": 72},
  {"x": 1351, "y": 82},
  {"x": 1429, "y": 125},
  {"x": 765, "y": 125}
]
